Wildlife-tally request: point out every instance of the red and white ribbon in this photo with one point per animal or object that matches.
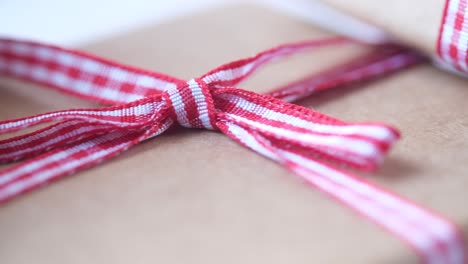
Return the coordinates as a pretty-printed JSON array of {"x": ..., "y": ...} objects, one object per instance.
[
  {"x": 144, "y": 104},
  {"x": 452, "y": 45}
]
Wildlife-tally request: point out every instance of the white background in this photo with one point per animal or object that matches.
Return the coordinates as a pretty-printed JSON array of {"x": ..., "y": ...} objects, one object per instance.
[{"x": 75, "y": 22}]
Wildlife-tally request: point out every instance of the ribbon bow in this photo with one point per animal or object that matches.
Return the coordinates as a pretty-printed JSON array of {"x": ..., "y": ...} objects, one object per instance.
[{"x": 145, "y": 104}]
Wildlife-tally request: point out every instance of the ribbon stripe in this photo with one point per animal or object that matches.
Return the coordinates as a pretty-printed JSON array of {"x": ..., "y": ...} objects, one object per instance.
[
  {"x": 80, "y": 74},
  {"x": 145, "y": 104},
  {"x": 452, "y": 45},
  {"x": 368, "y": 67},
  {"x": 48, "y": 138},
  {"x": 310, "y": 121}
]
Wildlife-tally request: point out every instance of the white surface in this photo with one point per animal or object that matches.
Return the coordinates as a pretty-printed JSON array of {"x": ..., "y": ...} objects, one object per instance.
[
  {"x": 75, "y": 22},
  {"x": 317, "y": 13}
]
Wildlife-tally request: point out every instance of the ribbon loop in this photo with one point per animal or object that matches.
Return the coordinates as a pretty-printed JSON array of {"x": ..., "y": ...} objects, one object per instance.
[
  {"x": 314, "y": 134},
  {"x": 192, "y": 104}
]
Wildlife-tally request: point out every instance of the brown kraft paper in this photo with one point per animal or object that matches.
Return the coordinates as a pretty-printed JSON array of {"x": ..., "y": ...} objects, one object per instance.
[{"x": 193, "y": 196}]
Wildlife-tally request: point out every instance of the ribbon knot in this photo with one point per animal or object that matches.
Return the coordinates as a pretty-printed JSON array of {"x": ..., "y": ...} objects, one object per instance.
[{"x": 192, "y": 104}]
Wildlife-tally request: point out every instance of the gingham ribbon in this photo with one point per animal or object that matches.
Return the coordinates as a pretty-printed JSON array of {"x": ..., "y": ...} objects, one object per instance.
[
  {"x": 452, "y": 45},
  {"x": 145, "y": 104}
]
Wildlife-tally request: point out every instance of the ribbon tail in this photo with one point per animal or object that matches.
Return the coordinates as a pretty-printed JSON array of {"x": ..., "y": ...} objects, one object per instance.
[
  {"x": 56, "y": 164},
  {"x": 51, "y": 137},
  {"x": 65, "y": 160},
  {"x": 433, "y": 238},
  {"x": 381, "y": 62}
]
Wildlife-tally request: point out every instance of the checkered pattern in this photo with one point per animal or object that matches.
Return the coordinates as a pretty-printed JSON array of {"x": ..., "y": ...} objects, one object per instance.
[
  {"x": 81, "y": 74},
  {"x": 145, "y": 104},
  {"x": 453, "y": 37}
]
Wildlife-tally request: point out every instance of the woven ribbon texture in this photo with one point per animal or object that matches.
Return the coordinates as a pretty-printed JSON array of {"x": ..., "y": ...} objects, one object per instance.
[{"x": 452, "y": 45}]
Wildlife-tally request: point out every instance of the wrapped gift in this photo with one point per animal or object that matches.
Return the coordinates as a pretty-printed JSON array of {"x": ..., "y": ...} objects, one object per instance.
[{"x": 196, "y": 196}]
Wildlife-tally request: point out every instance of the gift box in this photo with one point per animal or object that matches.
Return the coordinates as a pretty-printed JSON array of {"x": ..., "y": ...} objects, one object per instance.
[{"x": 197, "y": 196}]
